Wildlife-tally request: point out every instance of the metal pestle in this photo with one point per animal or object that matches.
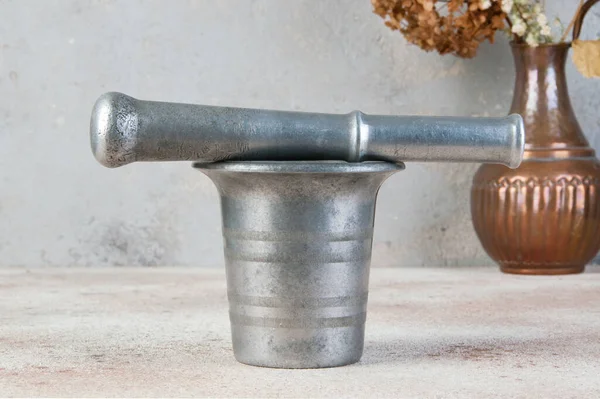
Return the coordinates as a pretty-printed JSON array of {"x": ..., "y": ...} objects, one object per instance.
[{"x": 125, "y": 130}]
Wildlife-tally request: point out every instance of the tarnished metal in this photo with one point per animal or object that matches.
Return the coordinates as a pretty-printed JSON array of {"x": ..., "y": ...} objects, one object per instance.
[
  {"x": 297, "y": 252},
  {"x": 125, "y": 130}
]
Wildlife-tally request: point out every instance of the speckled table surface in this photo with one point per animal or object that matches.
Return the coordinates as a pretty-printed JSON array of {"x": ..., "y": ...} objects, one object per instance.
[{"x": 431, "y": 333}]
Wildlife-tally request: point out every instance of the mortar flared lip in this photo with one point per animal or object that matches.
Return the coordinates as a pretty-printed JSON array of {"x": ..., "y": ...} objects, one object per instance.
[{"x": 301, "y": 166}]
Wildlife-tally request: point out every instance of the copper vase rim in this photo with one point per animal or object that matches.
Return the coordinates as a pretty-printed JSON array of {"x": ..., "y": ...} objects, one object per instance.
[{"x": 560, "y": 45}]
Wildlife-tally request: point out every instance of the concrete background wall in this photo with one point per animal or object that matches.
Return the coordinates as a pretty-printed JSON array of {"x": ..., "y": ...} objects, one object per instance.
[{"x": 58, "y": 207}]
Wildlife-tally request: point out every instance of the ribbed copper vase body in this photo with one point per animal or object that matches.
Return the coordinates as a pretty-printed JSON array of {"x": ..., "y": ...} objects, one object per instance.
[{"x": 543, "y": 217}]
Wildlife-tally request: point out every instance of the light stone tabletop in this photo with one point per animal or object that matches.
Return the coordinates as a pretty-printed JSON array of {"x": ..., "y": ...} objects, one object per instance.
[{"x": 431, "y": 333}]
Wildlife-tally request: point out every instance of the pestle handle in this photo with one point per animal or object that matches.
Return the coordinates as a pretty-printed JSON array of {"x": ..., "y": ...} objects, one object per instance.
[{"x": 124, "y": 130}]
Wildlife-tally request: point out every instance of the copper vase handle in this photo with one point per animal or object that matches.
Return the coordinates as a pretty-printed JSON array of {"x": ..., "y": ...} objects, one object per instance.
[{"x": 580, "y": 16}]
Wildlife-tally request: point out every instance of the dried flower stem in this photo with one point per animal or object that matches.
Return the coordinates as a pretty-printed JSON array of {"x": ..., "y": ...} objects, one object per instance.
[
  {"x": 515, "y": 36},
  {"x": 570, "y": 26}
]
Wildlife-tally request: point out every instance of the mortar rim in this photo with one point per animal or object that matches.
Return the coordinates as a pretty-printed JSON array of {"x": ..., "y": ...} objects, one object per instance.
[{"x": 301, "y": 166}]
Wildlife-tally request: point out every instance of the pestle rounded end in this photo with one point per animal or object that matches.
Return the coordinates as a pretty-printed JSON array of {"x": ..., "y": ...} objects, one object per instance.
[{"x": 113, "y": 129}]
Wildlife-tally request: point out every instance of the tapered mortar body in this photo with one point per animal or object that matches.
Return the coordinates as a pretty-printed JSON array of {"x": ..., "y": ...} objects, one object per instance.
[{"x": 298, "y": 239}]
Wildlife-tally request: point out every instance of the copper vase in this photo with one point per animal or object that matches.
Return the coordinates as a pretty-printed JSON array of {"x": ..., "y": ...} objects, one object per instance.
[{"x": 543, "y": 217}]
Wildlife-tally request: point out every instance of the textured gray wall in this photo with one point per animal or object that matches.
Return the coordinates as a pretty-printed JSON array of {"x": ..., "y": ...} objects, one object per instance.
[{"x": 58, "y": 207}]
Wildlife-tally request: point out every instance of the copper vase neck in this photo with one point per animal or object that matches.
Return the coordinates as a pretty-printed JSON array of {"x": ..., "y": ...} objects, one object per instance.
[{"x": 541, "y": 96}]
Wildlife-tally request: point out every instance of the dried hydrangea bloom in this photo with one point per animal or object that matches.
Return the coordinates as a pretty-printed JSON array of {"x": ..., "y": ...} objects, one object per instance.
[
  {"x": 449, "y": 27},
  {"x": 459, "y": 26}
]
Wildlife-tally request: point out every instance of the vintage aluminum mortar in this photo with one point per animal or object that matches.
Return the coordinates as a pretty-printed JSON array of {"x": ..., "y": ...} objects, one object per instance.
[{"x": 297, "y": 233}]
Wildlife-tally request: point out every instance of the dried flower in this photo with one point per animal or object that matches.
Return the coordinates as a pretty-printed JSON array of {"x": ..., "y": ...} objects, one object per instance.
[
  {"x": 519, "y": 28},
  {"x": 459, "y": 26},
  {"x": 529, "y": 23},
  {"x": 531, "y": 40},
  {"x": 546, "y": 31},
  {"x": 586, "y": 56},
  {"x": 448, "y": 27},
  {"x": 541, "y": 19},
  {"x": 507, "y": 6}
]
